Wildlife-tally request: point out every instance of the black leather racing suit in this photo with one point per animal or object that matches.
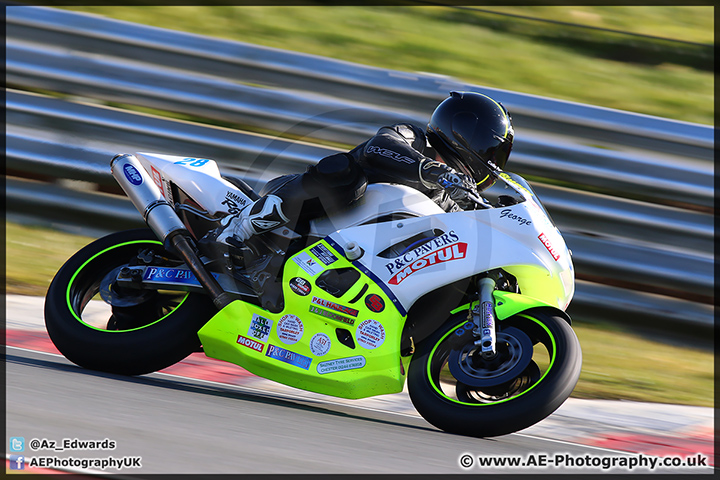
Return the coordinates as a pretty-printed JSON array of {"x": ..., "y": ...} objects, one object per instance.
[
  {"x": 401, "y": 154},
  {"x": 396, "y": 154}
]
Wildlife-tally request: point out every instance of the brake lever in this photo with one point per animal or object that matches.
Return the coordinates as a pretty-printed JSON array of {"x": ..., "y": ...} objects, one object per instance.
[{"x": 482, "y": 202}]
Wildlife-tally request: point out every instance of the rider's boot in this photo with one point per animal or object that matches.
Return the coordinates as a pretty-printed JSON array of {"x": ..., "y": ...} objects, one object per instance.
[
  {"x": 263, "y": 215},
  {"x": 259, "y": 265}
]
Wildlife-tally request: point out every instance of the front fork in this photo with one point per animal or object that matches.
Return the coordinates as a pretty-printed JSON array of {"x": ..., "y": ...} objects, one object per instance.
[{"x": 483, "y": 316}]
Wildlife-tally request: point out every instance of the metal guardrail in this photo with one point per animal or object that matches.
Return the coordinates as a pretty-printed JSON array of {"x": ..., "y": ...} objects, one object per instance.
[
  {"x": 178, "y": 72},
  {"x": 647, "y": 246},
  {"x": 366, "y": 85}
]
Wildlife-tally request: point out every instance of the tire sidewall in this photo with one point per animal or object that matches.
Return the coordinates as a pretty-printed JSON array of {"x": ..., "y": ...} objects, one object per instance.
[
  {"x": 503, "y": 417},
  {"x": 134, "y": 352}
]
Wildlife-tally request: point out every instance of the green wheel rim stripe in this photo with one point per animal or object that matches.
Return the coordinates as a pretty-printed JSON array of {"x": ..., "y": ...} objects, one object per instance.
[
  {"x": 72, "y": 280},
  {"x": 441, "y": 393}
]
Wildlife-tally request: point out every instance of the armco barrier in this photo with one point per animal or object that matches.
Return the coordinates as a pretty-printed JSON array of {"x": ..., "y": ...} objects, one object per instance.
[{"x": 635, "y": 202}]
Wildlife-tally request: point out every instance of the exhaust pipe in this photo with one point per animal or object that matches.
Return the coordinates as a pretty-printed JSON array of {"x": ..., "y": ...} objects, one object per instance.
[
  {"x": 146, "y": 196},
  {"x": 160, "y": 216}
]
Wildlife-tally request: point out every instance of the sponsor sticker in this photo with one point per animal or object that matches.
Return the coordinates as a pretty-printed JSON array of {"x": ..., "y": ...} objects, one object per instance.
[
  {"x": 260, "y": 327},
  {"x": 132, "y": 174},
  {"x": 375, "y": 303},
  {"x": 320, "y": 344},
  {"x": 168, "y": 192},
  {"x": 370, "y": 334},
  {"x": 234, "y": 203},
  {"x": 305, "y": 262},
  {"x": 300, "y": 286},
  {"x": 341, "y": 364},
  {"x": 456, "y": 251},
  {"x": 517, "y": 185},
  {"x": 331, "y": 315},
  {"x": 247, "y": 342},
  {"x": 157, "y": 178},
  {"x": 545, "y": 241},
  {"x": 429, "y": 246},
  {"x": 290, "y": 329},
  {"x": 335, "y": 306},
  {"x": 287, "y": 356},
  {"x": 323, "y": 254},
  {"x": 170, "y": 275}
]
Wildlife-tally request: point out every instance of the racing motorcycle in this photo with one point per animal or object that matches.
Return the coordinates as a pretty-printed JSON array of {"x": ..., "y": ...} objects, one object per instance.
[{"x": 467, "y": 307}]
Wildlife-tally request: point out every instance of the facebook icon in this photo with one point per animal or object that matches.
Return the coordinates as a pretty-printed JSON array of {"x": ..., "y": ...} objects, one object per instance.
[{"x": 17, "y": 462}]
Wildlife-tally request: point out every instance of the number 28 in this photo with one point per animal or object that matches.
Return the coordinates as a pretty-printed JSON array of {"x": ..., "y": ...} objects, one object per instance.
[{"x": 193, "y": 162}]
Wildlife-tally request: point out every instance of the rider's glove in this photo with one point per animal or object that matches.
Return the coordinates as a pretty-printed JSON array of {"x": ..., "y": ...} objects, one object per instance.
[{"x": 458, "y": 185}]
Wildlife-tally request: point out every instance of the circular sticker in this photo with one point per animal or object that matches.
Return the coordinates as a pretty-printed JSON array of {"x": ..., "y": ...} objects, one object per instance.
[
  {"x": 370, "y": 334},
  {"x": 290, "y": 329},
  {"x": 300, "y": 286},
  {"x": 375, "y": 303},
  {"x": 320, "y": 344}
]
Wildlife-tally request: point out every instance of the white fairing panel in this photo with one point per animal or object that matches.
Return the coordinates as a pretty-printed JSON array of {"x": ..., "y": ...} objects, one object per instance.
[
  {"x": 198, "y": 177},
  {"x": 520, "y": 239},
  {"x": 380, "y": 199}
]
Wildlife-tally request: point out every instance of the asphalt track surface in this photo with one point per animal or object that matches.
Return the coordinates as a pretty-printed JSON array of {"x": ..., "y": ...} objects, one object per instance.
[{"x": 180, "y": 425}]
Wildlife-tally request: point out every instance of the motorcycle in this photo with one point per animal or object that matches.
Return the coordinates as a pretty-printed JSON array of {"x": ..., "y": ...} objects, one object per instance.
[{"x": 467, "y": 307}]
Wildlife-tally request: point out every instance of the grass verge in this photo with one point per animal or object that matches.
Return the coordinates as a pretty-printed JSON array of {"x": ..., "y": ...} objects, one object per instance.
[
  {"x": 587, "y": 66},
  {"x": 616, "y": 364}
]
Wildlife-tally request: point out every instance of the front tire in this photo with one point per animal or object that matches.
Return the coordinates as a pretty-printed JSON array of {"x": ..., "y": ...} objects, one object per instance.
[
  {"x": 152, "y": 331},
  {"x": 455, "y": 389}
]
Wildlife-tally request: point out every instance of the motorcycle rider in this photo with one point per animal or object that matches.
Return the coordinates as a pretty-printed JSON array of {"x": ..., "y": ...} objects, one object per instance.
[{"x": 469, "y": 132}]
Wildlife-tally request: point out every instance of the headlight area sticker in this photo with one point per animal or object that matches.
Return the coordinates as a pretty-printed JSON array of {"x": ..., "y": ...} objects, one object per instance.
[
  {"x": 370, "y": 334},
  {"x": 320, "y": 344},
  {"x": 290, "y": 329},
  {"x": 341, "y": 364}
]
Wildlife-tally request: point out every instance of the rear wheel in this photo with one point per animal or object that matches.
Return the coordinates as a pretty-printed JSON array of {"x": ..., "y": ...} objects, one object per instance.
[
  {"x": 144, "y": 331},
  {"x": 456, "y": 389}
]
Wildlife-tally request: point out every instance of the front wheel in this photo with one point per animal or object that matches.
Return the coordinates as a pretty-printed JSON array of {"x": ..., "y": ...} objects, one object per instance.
[
  {"x": 456, "y": 389},
  {"x": 145, "y": 330}
]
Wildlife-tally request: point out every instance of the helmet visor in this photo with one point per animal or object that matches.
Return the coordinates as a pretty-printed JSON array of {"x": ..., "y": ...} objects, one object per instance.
[{"x": 501, "y": 153}]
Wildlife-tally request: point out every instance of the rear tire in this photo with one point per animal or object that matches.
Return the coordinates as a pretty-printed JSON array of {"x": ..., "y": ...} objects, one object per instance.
[
  {"x": 156, "y": 332},
  {"x": 501, "y": 396}
]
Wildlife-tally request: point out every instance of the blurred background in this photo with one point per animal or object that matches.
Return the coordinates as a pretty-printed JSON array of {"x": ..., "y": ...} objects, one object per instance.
[{"x": 613, "y": 109}]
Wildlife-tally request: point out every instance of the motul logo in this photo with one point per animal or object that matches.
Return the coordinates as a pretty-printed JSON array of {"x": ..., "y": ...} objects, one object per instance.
[
  {"x": 257, "y": 346},
  {"x": 549, "y": 246},
  {"x": 455, "y": 251}
]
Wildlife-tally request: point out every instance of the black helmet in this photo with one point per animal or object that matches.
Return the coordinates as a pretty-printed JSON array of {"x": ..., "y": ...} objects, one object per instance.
[{"x": 473, "y": 134}]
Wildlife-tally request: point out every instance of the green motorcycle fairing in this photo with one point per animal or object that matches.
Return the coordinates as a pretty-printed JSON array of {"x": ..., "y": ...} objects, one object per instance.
[
  {"x": 508, "y": 304},
  {"x": 338, "y": 334}
]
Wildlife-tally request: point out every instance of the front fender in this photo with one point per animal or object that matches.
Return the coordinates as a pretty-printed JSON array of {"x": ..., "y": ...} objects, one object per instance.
[{"x": 508, "y": 304}]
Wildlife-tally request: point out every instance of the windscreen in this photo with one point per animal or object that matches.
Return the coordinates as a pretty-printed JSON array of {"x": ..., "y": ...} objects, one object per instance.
[{"x": 516, "y": 187}]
